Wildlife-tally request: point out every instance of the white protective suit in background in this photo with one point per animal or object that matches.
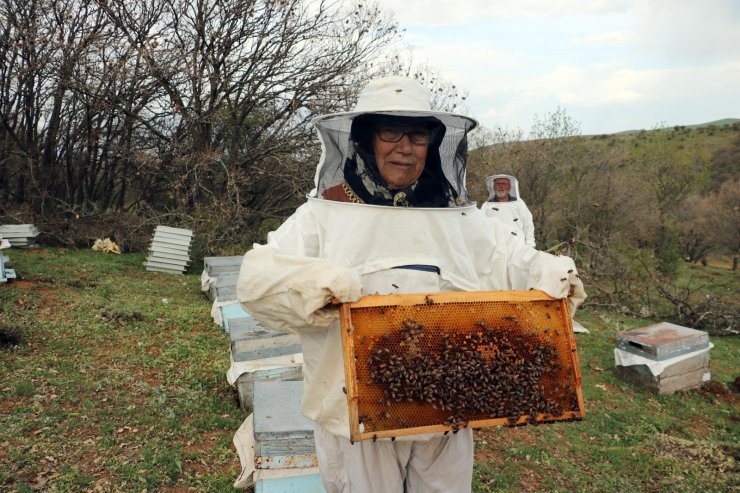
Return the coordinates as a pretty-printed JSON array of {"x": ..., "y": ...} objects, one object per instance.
[
  {"x": 344, "y": 250},
  {"x": 514, "y": 214}
]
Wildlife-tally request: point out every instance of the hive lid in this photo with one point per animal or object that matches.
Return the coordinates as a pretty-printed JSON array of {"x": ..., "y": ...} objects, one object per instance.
[{"x": 662, "y": 341}]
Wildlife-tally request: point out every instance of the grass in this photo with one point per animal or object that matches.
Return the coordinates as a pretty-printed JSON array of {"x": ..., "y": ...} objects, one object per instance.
[
  {"x": 630, "y": 440},
  {"x": 118, "y": 383},
  {"x": 114, "y": 380}
]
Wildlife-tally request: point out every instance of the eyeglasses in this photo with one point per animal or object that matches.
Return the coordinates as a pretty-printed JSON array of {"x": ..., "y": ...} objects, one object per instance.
[{"x": 418, "y": 136}]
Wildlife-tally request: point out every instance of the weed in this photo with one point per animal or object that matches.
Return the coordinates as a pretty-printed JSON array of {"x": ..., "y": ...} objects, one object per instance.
[{"x": 24, "y": 389}]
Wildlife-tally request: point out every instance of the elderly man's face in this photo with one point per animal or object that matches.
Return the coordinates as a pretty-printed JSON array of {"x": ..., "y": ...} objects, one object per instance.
[
  {"x": 502, "y": 187},
  {"x": 400, "y": 163}
]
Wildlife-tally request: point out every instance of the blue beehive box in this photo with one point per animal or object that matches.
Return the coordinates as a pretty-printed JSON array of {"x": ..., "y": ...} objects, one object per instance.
[
  {"x": 284, "y": 439},
  {"x": 222, "y": 265},
  {"x": 279, "y": 427},
  {"x": 231, "y": 311}
]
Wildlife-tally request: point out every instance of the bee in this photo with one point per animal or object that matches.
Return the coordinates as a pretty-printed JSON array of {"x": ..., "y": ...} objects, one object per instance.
[
  {"x": 363, "y": 339},
  {"x": 494, "y": 208},
  {"x": 394, "y": 285},
  {"x": 563, "y": 279},
  {"x": 514, "y": 234},
  {"x": 464, "y": 214},
  {"x": 516, "y": 219},
  {"x": 344, "y": 389},
  {"x": 570, "y": 271},
  {"x": 428, "y": 300}
]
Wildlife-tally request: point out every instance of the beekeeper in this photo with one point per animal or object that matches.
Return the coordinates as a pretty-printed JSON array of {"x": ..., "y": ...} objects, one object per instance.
[
  {"x": 389, "y": 214},
  {"x": 505, "y": 203}
]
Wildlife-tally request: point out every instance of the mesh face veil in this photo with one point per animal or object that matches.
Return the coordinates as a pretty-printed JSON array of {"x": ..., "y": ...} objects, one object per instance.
[
  {"x": 513, "y": 182},
  {"x": 393, "y": 99}
]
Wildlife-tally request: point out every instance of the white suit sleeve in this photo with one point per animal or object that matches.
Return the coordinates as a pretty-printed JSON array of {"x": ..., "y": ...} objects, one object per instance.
[
  {"x": 556, "y": 275},
  {"x": 285, "y": 288}
]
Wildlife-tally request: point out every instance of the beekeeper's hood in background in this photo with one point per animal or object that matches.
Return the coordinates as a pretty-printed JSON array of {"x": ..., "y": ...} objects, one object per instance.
[
  {"x": 394, "y": 97},
  {"x": 514, "y": 192}
]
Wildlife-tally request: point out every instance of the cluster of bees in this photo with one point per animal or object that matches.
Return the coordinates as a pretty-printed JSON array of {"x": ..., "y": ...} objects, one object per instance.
[{"x": 487, "y": 373}]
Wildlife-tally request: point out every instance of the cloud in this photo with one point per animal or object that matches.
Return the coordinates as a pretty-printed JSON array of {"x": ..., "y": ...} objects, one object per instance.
[
  {"x": 691, "y": 30},
  {"x": 442, "y": 13},
  {"x": 613, "y": 38},
  {"x": 609, "y": 63}
]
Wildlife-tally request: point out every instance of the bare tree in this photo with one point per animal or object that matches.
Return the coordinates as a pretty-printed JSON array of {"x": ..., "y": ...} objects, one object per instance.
[
  {"x": 176, "y": 107},
  {"x": 727, "y": 220}
]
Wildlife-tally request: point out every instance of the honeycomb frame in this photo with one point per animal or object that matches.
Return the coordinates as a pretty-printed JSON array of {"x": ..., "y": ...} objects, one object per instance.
[{"x": 427, "y": 329}]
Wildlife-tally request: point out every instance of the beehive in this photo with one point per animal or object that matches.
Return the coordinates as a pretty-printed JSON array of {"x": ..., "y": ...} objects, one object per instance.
[
  {"x": 662, "y": 341},
  {"x": 422, "y": 363}
]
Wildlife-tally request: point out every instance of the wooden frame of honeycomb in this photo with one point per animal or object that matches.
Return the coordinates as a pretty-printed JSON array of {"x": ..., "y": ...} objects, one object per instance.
[{"x": 439, "y": 362}]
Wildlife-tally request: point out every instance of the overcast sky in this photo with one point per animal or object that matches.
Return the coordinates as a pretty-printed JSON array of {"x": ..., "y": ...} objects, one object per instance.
[{"x": 612, "y": 65}]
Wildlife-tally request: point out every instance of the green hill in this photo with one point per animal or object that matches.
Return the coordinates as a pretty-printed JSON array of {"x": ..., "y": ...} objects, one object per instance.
[
  {"x": 715, "y": 123},
  {"x": 716, "y": 142}
]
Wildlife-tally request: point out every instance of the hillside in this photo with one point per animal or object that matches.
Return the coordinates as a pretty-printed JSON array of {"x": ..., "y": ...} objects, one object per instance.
[
  {"x": 715, "y": 123},
  {"x": 716, "y": 143}
]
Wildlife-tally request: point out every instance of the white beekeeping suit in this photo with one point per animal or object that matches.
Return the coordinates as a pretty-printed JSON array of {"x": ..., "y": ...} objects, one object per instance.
[
  {"x": 513, "y": 212},
  {"x": 371, "y": 238}
]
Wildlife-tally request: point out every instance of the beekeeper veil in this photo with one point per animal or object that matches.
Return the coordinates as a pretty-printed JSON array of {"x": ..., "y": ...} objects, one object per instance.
[
  {"x": 513, "y": 182},
  {"x": 347, "y": 153}
]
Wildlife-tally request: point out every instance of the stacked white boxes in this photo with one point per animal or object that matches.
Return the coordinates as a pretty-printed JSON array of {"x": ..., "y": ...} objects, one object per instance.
[
  {"x": 20, "y": 235},
  {"x": 170, "y": 250}
]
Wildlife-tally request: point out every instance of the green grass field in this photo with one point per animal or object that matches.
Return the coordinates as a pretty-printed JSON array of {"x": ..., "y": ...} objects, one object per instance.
[{"x": 113, "y": 379}]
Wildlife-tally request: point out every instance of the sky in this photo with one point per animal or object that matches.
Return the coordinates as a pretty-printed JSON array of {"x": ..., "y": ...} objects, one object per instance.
[{"x": 610, "y": 65}]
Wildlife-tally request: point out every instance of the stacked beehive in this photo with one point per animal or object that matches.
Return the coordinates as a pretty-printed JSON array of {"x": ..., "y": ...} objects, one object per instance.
[
  {"x": 170, "y": 250},
  {"x": 218, "y": 282},
  {"x": 276, "y": 444},
  {"x": 263, "y": 354},
  {"x": 257, "y": 353},
  {"x": 20, "y": 235},
  {"x": 5, "y": 273},
  {"x": 663, "y": 358}
]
